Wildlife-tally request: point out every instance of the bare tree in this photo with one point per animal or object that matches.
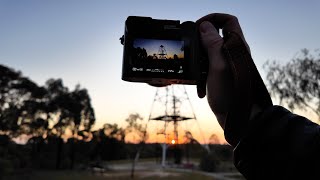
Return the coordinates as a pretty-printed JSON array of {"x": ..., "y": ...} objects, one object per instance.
[
  {"x": 136, "y": 130},
  {"x": 296, "y": 84}
]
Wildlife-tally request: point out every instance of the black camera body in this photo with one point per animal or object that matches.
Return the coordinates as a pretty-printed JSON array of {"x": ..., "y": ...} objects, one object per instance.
[{"x": 162, "y": 52}]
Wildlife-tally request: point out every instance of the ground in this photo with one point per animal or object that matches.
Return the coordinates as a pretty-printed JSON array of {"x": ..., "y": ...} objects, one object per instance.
[{"x": 121, "y": 170}]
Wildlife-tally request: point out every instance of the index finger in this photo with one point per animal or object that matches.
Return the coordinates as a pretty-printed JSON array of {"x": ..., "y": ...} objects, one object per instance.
[{"x": 228, "y": 23}]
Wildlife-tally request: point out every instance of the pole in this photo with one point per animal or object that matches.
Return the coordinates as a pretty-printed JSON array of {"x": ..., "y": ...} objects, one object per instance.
[{"x": 164, "y": 151}]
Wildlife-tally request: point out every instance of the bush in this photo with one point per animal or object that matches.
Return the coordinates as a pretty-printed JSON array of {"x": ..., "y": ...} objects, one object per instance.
[
  {"x": 209, "y": 162},
  {"x": 6, "y": 167}
]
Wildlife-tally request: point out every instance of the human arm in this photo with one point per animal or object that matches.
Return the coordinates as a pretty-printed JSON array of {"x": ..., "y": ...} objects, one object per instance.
[
  {"x": 269, "y": 141},
  {"x": 279, "y": 145}
]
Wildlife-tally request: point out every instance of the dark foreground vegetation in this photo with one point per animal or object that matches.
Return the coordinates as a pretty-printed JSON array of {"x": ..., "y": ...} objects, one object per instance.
[
  {"x": 52, "y": 153},
  {"x": 45, "y": 128}
]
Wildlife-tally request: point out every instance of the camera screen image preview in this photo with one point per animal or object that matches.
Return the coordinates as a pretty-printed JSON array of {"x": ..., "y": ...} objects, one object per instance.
[{"x": 158, "y": 56}]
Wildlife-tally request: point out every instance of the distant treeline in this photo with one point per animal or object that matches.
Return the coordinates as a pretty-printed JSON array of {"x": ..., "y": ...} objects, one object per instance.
[
  {"x": 45, "y": 113},
  {"x": 53, "y": 153}
]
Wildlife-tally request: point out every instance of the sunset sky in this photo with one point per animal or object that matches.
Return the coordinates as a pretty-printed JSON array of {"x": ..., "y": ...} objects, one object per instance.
[
  {"x": 78, "y": 41},
  {"x": 152, "y": 46}
]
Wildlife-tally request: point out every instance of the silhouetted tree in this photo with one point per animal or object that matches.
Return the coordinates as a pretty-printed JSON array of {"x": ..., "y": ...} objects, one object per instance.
[
  {"x": 138, "y": 134},
  {"x": 155, "y": 56},
  {"x": 139, "y": 53},
  {"x": 175, "y": 57},
  {"x": 297, "y": 83},
  {"x": 114, "y": 131},
  {"x": 189, "y": 140},
  {"x": 26, "y": 108},
  {"x": 21, "y": 104},
  {"x": 108, "y": 143},
  {"x": 22, "y": 111},
  {"x": 214, "y": 139},
  {"x": 72, "y": 110},
  {"x": 134, "y": 128}
]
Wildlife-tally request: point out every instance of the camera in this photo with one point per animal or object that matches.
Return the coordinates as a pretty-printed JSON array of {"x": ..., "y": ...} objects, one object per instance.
[{"x": 162, "y": 52}]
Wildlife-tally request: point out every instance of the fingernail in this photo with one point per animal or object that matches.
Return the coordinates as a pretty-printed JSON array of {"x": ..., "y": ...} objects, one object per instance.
[{"x": 206, "y": 26}]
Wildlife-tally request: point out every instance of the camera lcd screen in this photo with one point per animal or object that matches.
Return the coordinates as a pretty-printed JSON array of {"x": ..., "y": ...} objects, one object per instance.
[{"x": 158, "y": 56}]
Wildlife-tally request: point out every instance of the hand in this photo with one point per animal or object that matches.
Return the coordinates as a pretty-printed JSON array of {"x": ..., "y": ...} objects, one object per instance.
[
  {"x": 235, "y": 90},
  {"x": 219, "y": 81}
]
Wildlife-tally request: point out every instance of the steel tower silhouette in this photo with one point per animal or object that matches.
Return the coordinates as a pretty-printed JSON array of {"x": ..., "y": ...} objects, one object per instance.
[
  {"x": 168, "y": 109},
  {"x": 162, "y": 52}
]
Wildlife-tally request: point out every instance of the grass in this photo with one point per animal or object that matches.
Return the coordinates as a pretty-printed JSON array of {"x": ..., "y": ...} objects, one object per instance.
[
  {"x": 236, "y": 176},
  {"x": 146, "y": 171},
  {"x": 118, "y": 175},
  {"x": 125, "y": 161}
]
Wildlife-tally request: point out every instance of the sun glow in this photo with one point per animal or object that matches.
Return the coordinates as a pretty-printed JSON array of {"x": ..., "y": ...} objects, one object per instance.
[{"x": 173, "y": 141}]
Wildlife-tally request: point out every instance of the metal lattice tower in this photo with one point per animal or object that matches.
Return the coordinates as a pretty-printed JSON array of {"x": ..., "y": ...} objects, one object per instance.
[
  {"x": 162, "y": 52},
  {"x": 168, "y": 109}
]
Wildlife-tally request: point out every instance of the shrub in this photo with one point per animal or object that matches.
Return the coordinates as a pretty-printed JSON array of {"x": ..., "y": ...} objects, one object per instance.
[{"x": 209, "y": 162}]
